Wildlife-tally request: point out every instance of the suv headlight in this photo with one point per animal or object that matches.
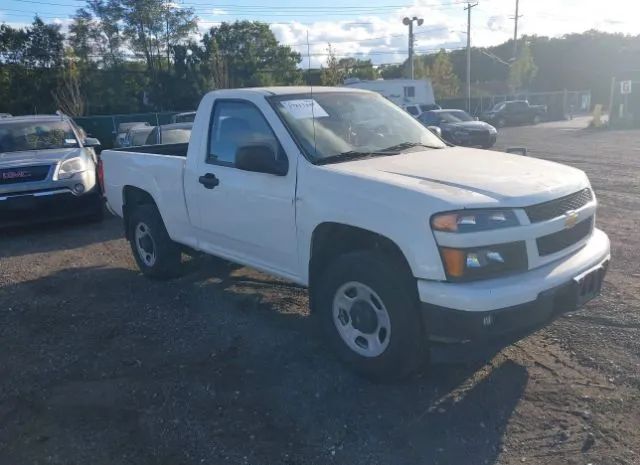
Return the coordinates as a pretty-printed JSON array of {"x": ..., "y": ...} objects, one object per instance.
[
  {"x": 467, "y": 221},
  {"x": 71, "y": 166}
]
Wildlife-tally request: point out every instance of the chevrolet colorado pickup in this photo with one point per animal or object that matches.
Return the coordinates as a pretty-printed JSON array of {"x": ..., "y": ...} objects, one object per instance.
[{"x": 403, "y": 241}]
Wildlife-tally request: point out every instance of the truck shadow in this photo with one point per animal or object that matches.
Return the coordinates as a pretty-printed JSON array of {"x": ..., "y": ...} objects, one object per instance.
[{"x": 222, "y": 362}]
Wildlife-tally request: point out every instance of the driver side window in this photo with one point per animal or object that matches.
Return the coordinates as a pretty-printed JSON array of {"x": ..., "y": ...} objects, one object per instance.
[{"x": 236, "y": 124}]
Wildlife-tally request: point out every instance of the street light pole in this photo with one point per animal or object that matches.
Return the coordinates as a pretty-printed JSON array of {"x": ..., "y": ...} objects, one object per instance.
[
  {"x": 468, "y": 8},
  {"x": 409, "y": 22}
]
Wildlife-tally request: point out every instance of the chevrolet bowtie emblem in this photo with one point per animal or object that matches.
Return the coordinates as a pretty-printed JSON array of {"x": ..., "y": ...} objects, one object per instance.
[{"x": 571, "y": 219}]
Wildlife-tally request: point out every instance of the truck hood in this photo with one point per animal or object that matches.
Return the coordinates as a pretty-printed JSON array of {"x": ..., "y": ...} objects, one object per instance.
[
  {"x": 471, "y": 177},
  {"x": 37, "y": 157}
]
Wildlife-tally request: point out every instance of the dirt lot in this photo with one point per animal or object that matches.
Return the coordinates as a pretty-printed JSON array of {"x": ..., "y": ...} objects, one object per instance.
[{"x": 101, "y": 366}]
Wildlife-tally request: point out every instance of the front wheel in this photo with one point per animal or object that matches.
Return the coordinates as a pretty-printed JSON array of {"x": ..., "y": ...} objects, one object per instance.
[
  {"x": 370, "y": 314},
  {"x": 155, "y": 253}
]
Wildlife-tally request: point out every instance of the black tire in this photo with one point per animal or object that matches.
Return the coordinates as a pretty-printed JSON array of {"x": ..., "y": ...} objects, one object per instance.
[
  {"x": 407, "y": 346},
  {"x": 167, "y": 254}
]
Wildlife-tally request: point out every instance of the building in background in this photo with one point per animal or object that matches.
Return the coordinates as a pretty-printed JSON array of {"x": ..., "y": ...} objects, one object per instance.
[{"x": 413, "y": 95}]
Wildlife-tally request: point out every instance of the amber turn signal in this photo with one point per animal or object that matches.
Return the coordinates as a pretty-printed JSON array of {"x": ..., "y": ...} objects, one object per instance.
[{"x": 454, "y": 260}]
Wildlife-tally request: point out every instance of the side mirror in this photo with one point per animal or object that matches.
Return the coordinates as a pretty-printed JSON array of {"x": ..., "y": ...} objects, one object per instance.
[
  {"x": 260, "y": 158},
  {"x": 91, "y": 142},
  {"x": 436, "y": 130}
]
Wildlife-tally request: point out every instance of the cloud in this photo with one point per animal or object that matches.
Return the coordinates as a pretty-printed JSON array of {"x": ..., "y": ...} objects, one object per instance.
[{"x": 219, "y": 12}]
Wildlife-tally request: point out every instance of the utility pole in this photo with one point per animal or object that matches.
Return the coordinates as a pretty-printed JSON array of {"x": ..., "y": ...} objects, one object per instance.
[
  {"x": 468, "y": 8},
  {"x": 409, "y": 22},
  {"x": 515, "y": 31}
]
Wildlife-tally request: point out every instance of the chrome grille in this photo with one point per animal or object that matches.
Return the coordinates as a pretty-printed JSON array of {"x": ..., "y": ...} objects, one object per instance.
[{"x": 558, "y": 207}]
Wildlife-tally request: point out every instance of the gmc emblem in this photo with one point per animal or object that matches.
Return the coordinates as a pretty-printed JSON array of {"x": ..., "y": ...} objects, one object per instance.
[{"x": 16, "y": 174}]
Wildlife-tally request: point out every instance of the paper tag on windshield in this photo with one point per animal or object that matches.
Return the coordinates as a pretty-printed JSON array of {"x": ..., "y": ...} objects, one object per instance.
[
  {"x": 69, "y": 141},
  {"x": 304, "y": 108}
]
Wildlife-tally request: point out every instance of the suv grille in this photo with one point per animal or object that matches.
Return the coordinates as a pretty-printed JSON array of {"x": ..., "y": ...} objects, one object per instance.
[
  {"x": 24, "y": 174},
  {"x": 557, "y": 241},
  {"x": 554, "y": 208}
]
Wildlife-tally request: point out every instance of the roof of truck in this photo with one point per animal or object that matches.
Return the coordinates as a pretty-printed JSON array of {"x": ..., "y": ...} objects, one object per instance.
[{"x": 292, "y": 90}]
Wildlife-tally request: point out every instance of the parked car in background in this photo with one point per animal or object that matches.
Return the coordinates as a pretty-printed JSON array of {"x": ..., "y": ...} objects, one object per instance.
[
  {"x": 459, "y": 128},
  {"x": 403, "y": 241},
  {"x": 123, "y": 128},
  {"x": 417, "y": 110},
  {"x": 5, "y": 115},
  {"x": 137, "y": 136},
  {"x": 177, "y": 133},
  {"x": 186, "y": 117},
  {"x": 514, "y": 112},
  {"x": 47, "y": 170}
]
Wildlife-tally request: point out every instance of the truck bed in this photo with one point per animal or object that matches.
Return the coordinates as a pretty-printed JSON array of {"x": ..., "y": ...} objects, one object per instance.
[{"x": 177, "y": 150}]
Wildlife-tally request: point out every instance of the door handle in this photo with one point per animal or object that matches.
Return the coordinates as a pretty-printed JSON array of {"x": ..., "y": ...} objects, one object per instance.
[{"x": 209, "y": 180}]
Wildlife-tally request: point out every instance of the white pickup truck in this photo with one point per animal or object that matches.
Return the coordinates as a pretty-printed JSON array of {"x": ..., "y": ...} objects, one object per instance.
[{"x": 403, "y": 240}]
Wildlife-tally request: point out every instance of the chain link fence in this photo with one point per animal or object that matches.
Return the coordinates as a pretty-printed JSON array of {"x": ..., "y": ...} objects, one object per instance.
[{"x": 560, "y": 105}]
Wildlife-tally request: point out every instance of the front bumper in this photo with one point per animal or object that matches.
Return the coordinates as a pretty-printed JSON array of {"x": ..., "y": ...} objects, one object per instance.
[
  {"x": 47, "y": 205},
  {"x": 457, "y": 312},
  {"x": 476, "y": 139}
]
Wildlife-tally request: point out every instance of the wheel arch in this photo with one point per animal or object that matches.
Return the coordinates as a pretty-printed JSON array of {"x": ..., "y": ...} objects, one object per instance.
[
  {"x": 131, "y": 197},
  {"x": 330, "y": 240}
]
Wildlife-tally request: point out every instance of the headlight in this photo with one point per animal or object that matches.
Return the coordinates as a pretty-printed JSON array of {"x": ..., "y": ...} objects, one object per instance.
[
  {"x": 473, "y": 220},
  {"x": 484, "y": 262},
  {"x": 71, "y": 166}
]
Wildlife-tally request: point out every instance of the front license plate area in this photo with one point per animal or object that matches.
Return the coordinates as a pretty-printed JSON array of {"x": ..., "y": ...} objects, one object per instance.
[{"x": 589, "y": 284}]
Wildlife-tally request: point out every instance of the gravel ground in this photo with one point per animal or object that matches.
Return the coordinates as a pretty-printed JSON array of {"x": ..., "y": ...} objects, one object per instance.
[{"x": 99, "y": 365}]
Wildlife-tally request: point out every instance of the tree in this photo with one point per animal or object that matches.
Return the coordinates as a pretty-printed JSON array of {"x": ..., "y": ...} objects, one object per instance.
[
  {"x": 68, "y": 96},
  {"x": 154, "y": 26},
  {"x": 247, "y": 53},
  {"x": 444, "y": 81},
  {"x": 523, "y": 70},
  {"x": 357, "y": 68},
  {"x": 332, "y": 74}
]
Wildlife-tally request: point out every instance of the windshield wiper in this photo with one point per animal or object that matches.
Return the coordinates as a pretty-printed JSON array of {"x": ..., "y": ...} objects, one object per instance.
[
  {"x": 406, "y": 145},
  {"x": 352, "y": 155}
]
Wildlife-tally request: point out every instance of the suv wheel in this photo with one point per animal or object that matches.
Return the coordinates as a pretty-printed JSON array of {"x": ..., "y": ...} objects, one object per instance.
[
  {"x": 370, "y": 315},
  {"x": 155, "y": 253}
]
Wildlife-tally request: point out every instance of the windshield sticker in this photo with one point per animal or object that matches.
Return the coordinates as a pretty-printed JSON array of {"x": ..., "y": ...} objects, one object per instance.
[
  {"x": 69, "y": 141},
  {"x": 304, "y": 108}
]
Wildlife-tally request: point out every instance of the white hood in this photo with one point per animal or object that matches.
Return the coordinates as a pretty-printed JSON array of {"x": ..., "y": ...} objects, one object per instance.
[{"x": 472, "y": 176}]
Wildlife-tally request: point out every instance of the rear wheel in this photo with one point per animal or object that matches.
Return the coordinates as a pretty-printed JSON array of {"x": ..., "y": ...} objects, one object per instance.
[
  {"x": 370, "y": 315},
  {"x": 155, "y": 253}
]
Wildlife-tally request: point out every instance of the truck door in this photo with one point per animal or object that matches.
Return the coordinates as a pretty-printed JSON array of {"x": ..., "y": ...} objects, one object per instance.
[{"x": 248, "y": 217}]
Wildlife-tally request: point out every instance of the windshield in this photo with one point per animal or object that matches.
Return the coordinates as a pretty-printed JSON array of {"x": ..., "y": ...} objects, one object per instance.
[
  {"x": 349, "y": 122},
  {"x": 498, "y": 106},
  {"x": 36, "y": 135},
  {"x": 456, "y": 116}
]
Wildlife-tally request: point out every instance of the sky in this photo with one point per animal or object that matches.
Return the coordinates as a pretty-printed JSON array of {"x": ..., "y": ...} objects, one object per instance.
[{"x": 373, "y": 28}]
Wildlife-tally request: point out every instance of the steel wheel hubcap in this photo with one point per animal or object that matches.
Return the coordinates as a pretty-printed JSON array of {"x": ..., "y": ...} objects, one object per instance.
[
  {"x": 361, "y": 319},
  {"x": 145, "y": 244}
]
